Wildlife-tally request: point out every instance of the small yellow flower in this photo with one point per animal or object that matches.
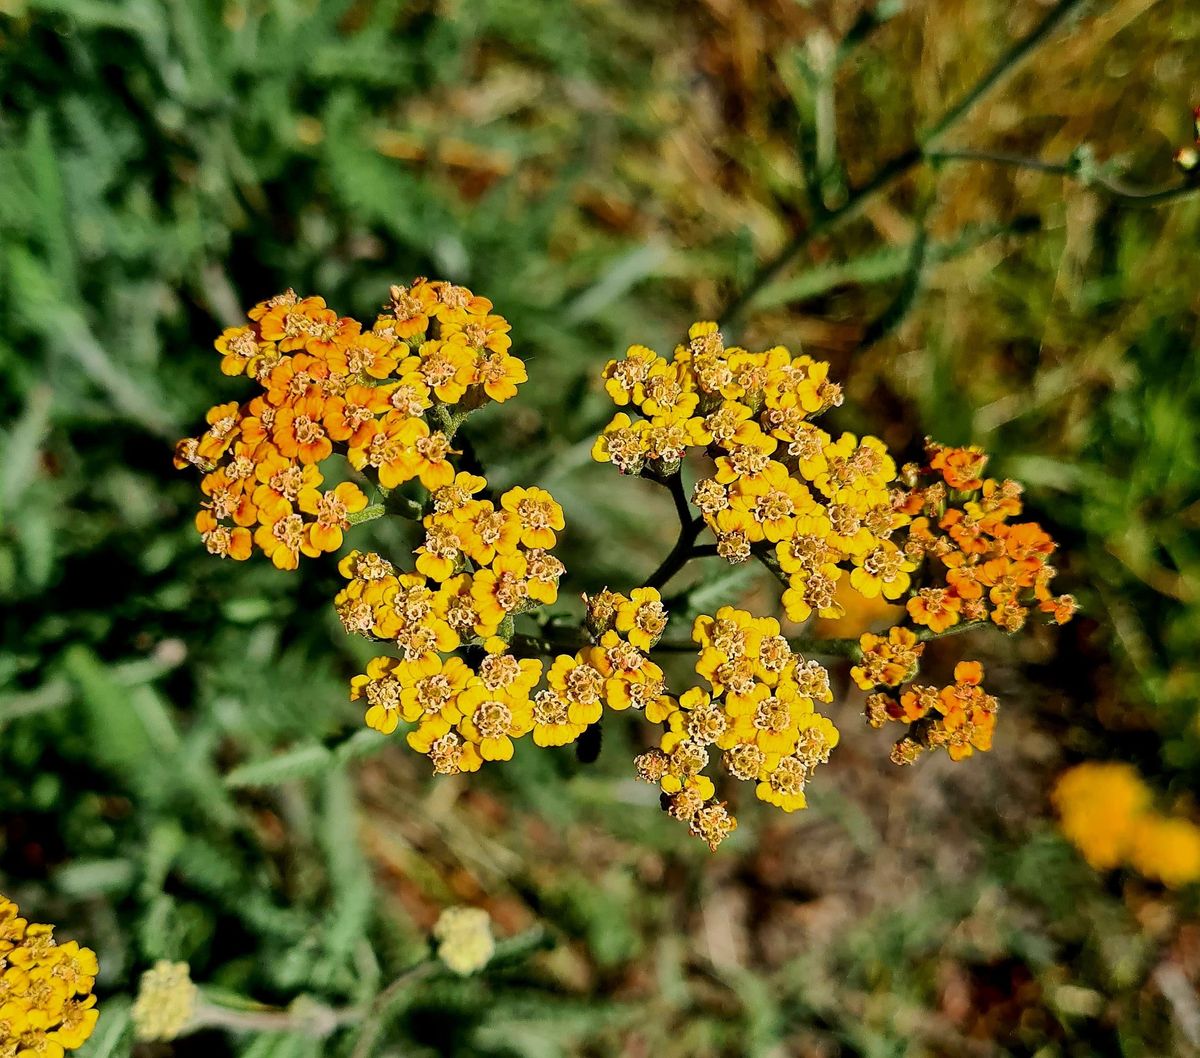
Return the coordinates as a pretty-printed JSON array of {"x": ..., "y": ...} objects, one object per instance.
[
  {"x": 538, "y": 516},
  {"x": 1166, "y": 850},
  {"x": 492, "y": 719},
  {"x": 478, "y": 333},
  {"x": 239, "y": 348},
  {"x": 783, "y": 782},
  {"x": 447, "y": 368},
  {"x": 455, "y": 497},
  {"x": 330, "y": 510},
  {"x": 712, "y": 823},
  {"x": 544, "y": 572},
  {"x": 887, "y": 660},
  {"x": 501, "y": 590},
  {"x": 382, "y": 689},
  {"x": 430, "y": 689},
  {"x": 642, "y": 618},
  {"x": 486, "y": 532},
  {"x": 505, "y": 676},
  {"x": 668, "y": 392},
  {"x": 813, "y": 591},
  {"x": 774, "y": 500},
  {"x": 551, "y": 720},
  {"x": 623, "y": 443},
  {"x": 441, "y": 555},
  {"x": 499, "y": 375},
  {"x": 936, "y": 608},
  {"x": 624, "y": 379},
  {"x": 1100, "y": 805},
  {"x": 732, "y": 633},
  {"x": 882, "y": 571},
  {"x": 580, "y": 684}
]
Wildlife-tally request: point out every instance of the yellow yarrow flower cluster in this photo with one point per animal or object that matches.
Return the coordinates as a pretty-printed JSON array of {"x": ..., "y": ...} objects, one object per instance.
[
  {"x": 465, "y": 715},
  {"x": 782, "y": 486},
  {"x": 758, "y": 713},
  {"x": 474, "y": 671},
  {"x": 387, "y": 397},
  {"x": 481, "y": 564},
  {"x": 1106, "y": 812},
  {"x": 46, "y": 1001}
]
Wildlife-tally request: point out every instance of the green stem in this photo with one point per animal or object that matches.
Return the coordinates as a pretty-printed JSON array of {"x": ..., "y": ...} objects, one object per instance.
[
  {"x": 400, "y": 506},
  {"x": 547, "y": 645},
  {"x": 768, "y": 558},
  {"x": 315, "y": 1019},
  {"x": 673, "y": 483},
  {"x": 689, "y": 528},
  {"x": 1003, "y": 68},
  {"x": 1114, "y": 187},
  {"x": 681, "y": 554},
  {"x": 891, "y": 172},
  {"x": 832, "y": 647},
  {"x": 375, "y": 1019},
  {"x": 926, "y": 634}
]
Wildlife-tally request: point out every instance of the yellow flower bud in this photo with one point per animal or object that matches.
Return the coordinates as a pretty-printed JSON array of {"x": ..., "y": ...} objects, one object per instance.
[{"x": 464, "y": 939}]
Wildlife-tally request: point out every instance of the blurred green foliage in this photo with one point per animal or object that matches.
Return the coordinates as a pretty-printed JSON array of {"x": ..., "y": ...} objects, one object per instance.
[{"x": 180, "y": 774}]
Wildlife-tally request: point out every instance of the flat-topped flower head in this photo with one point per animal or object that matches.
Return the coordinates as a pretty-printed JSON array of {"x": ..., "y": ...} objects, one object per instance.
[{"x": 46, "y": 1001}]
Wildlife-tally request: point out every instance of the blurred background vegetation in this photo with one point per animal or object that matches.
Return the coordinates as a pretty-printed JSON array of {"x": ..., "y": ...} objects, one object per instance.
[{"x": 605, "y": 171}]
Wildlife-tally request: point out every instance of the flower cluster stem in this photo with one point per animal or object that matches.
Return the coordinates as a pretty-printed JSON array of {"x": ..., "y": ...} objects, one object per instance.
[
  {"x": 681, "y": 554},
  {"x": 321, "y": 1022}
]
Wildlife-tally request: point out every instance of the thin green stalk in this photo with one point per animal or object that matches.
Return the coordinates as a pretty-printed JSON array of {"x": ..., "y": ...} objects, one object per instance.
[
  {"x": 681, "y": 554},
  {"x": 400, "y": 506},
  {"x": 1003, "y": 68},
  {"x": 832, "y": 647},
  {"x": 891, "y": 172},
  {"x": 312, "y": 1019},
  {"x": 926, "y": 634},
  {"x": 376, "y": 1017},
  {"x": 689, "y": 528},
  {"x": 1073, "y": 169},
  {"x": 547, "y": 645}
]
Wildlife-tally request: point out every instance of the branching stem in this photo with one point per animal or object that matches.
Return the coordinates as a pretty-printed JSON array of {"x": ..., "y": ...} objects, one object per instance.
[
  {"x": 891, "y": 172},
  {"x": 1072, "y": 168}
]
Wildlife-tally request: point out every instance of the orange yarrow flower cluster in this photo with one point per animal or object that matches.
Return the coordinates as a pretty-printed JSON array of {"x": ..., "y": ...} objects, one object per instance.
[
  {"x": 959, "y": 718},
  {"x": 386, "y": 397},
  {"x": 46, "y": 1001},
  {"x": 985, "y": 565}
]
